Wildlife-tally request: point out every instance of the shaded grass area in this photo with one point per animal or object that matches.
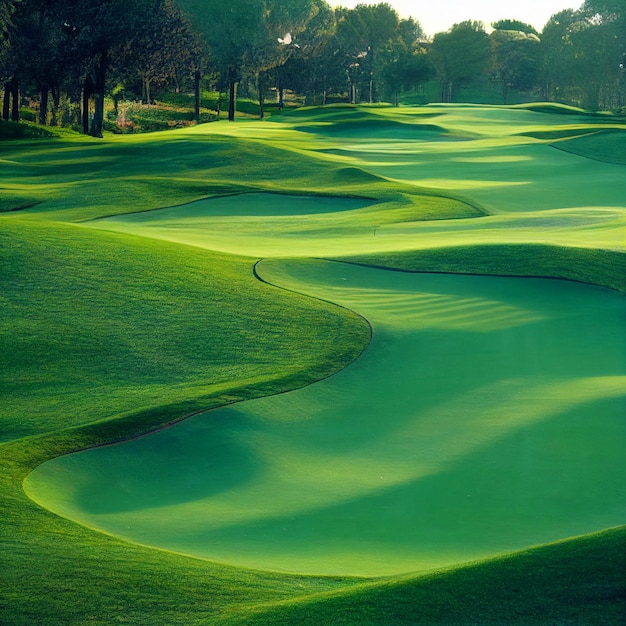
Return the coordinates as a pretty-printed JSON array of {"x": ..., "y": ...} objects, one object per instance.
[
  {"x": 577, "y": 581},
  {"x": 595, "y": 266},
  {"x": 14, "y": 130},
  {"x": 608, "y": 146}
]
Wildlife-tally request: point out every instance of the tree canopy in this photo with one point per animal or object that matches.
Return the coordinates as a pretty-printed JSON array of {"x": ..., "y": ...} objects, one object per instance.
[{"x": 69, "y": 55}]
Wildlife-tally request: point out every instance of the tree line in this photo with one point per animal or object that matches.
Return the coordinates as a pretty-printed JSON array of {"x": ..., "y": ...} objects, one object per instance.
[{"x": 71, "y": 54}]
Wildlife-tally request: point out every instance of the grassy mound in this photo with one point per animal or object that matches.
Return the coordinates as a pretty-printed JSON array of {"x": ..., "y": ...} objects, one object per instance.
[
  {"x": 552, "y": 108},
  {"x": 110, "y": 318},
  {"x": 519, "y": 589},
  {"x": 597, "y": 267},
  {"x": 608, "y": 146},
  {"x": 368, "y": 127},
  {"x": 22, "y": 130}
]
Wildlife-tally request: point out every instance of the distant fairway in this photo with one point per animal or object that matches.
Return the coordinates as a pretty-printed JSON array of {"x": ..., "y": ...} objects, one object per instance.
[
  {"x": 533, "y": 192},
  {"x": 325, "y": 355},
  {"x": 486, "y": 416}
]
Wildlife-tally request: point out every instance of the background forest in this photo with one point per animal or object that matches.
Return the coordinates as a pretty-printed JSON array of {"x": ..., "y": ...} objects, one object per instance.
[{"x": 82, "y": 64}]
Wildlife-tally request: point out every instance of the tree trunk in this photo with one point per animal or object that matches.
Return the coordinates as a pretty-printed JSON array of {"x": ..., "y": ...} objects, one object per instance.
[
  {"x": 87, "y": 89},
  {"x": 232, "y": 89},
  {"x": 100, "y": 83},
  {"x": 56, "y": 99},
  {"x": 15, "y": 103},
  {"x": 148, "y": 95},
  {"x": 6, "y": 103},
  {"x": 43, "y": 106},
  {"x": 196, "y": 89},
  {"x": 261, "y": 84}
]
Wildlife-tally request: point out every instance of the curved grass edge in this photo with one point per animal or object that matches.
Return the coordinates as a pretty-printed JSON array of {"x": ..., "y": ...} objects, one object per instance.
[
  {"x": 105, "y": 578},
  {"x": 596, "y": 266},
  {"x": 575, "y": 580}
]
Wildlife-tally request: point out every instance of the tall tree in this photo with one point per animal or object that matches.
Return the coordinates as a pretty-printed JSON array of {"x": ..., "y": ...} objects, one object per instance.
[
  {"x": 582, "y": 54},
  {"x": 362, "y": 34},
  {"x": 104, "y": 30},
  {"x": 283, "y": 21},
  {"x": 164, "y": 45},
  {"x": 406, "y": 60},
  {"x": 6, "y": 11},
  {"x": 311, "y": 67},
  {"x": 515, "y": 59},
  {"x": 232, "y": 31},
  {"x": 557, "y": 55},
  {"x": 460, "y": 56},
  {"x": 608, "y": 18}
]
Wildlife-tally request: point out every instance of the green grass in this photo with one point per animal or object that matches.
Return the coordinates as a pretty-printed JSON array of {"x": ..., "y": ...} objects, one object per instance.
[
  {"x": 597, "y": 267},
  {"x": 134, "y": 324},
  {"x": 608, "y": 146},
  {"x": 89, "y": 363},
  {"x": 282, "y": 482},
  {"x": 14, "y": 130},
  {"x": 519, "y": 589}
]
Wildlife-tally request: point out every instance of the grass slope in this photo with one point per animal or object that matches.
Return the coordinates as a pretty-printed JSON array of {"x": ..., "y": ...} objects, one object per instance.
[
  {"x": 81, "y": 324},
  {"x": 579, "y": 581},
  {"x": 597, "y": 267},
  {"x": 135, "y": 324},
  {"x": 55, "y": 572}
]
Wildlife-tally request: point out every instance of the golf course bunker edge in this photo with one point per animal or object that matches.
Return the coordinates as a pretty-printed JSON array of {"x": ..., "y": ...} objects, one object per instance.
[{"x": 485, "y": 417}]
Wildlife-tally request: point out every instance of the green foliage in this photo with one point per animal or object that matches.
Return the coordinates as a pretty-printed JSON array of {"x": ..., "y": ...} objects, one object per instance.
[
  {"x": 515, "y": 59},
  {"x": 460, "y": 56},
  {"x": 514, "y": 25}
]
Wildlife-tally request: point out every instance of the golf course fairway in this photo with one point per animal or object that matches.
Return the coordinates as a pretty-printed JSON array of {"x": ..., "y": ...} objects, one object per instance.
[
  {"x": 344, "y": 365},
  {"x": 486, "y": 416}
]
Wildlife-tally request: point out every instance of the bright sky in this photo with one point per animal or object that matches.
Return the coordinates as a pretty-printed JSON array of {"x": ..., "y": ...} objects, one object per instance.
[{"x": 438, "y": 15}]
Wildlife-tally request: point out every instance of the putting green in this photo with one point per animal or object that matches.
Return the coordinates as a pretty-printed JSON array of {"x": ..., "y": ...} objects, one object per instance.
[{"x": 485, "y": 416}]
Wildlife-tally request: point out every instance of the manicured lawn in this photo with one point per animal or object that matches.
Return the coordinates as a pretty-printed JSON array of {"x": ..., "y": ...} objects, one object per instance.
[
  {"x": 473, "y": 402},
  {"x": 482, "y": 418}
]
